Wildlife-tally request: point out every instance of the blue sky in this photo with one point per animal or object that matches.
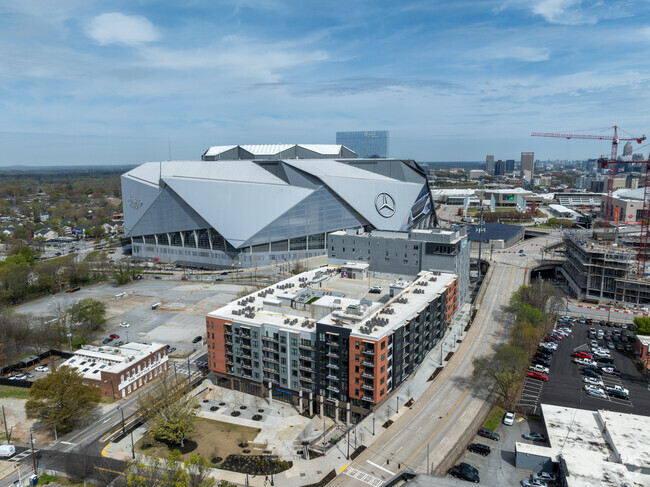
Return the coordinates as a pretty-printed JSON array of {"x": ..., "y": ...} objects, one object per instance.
[{"x": 89, "y": 82}]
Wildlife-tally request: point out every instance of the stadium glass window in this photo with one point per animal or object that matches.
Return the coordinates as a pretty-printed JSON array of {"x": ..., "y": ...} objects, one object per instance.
[
  {"x": 189, "y": 239},
  {"x": 218, "y": 242},
  {"x": 316, "y": 241},
  {"x": 150, "y": 239},
  {"x": 204, "y": 239},
  {"x": 281, "y": 246},
  {"x": 298, "y": 243},
  {"x": 261, "y": 248},
  {"x": 176, "y": 239}
]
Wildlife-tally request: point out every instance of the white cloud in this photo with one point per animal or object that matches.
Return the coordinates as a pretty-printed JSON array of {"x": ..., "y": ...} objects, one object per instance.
[
  {"x": 566, "y": 12},
  {"x": 117, "y": 28},
  {"x": 522, "y": 53}
]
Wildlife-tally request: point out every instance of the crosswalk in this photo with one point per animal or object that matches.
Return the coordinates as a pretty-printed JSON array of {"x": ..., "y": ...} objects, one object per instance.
[
  {"x": 363, "y": 477},
  {"x": 22, "y": 455}
]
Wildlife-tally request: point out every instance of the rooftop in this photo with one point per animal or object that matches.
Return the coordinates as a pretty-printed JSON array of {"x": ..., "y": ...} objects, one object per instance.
[
  {"x": 323, "y": 296},
  {"x": 92, "y": 361}
]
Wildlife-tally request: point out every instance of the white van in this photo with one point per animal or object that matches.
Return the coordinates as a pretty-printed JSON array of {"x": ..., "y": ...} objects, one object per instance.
[{"x": 7, "y": 451}]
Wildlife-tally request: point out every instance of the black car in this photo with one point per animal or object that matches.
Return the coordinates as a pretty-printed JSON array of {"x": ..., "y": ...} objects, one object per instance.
[
  {"x": 106, "y": 341},
  {"x": 465, "y": 471},
  {"x": 618, "y": 394},
  {"x": 224, "y": 273},
  {"x": 591, "y": 373},
  {"x": 541, "y": 361},
  {"x": 591, "y": 367},
  {"x": 605, "y": 360},
  {"x": 479, "y": 448},
  {"x": 197, "y": 339},
  {"x": 548, "y": 351},
  {"x": 487, "y": 433}
]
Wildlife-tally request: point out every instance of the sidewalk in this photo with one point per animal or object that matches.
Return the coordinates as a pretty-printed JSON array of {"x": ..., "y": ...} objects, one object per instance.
[{"x": 285, "y": 430}]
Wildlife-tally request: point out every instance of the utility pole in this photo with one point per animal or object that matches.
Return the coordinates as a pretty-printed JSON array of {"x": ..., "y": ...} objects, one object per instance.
[
  {"x": 4, "y": 421},
  {"x": 348, "y": 456},
  {"x": 189, "y": 373},
  {"x": 480, "y": 237},
  {"x": 31, "y": 441}
]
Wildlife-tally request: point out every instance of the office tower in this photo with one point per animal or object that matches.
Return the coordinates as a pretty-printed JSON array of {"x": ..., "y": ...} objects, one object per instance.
[
  {"x": 489, "y": 164},
  {"x": 627, "y": 149},
  {"x": 510, "y": 165},
  {"x": 500, "y": 168},
  {"x": 528, "y": 166},
  {"x": 373, "y": 143}
]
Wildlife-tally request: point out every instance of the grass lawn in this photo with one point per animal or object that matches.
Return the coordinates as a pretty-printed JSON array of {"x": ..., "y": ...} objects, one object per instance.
[
  {"x": 8, "y": 392},
  {"x": 494, "y": 419},
  {"x": 211, "y": 439}
]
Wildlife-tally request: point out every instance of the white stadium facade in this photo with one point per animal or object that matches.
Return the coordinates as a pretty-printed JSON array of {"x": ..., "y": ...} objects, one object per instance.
[{"x": 254, "y": 208}]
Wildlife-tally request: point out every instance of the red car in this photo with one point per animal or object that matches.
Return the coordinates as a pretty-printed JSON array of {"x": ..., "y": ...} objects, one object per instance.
[
  {"x": 114, "y": 336},
  {"x": 533, "y": 374},
  {"x": 551, "y": 339},
  {"x": 583, "y": 355}
]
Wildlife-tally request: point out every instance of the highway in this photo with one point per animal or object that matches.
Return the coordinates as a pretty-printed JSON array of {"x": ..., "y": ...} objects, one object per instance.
[{"x": 439, "y": 418}]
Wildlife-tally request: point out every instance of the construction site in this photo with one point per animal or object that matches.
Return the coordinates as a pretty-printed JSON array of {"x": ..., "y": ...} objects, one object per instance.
[{"x": 603, "y": 269}]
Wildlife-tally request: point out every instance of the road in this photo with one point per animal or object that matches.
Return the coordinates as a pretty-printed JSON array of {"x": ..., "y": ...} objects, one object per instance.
[{"x": 440, "y": 416}]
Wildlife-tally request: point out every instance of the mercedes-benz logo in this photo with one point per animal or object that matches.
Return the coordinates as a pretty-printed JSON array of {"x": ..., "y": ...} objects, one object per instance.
[{"x": 385, "y": 205}]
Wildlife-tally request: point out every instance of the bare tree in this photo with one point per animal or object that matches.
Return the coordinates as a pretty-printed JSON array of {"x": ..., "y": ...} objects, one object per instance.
[{"x": 79, "y": 467}]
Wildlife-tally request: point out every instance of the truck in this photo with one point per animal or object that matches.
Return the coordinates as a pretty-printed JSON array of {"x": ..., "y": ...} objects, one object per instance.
[{"x": 7, "y": 451}]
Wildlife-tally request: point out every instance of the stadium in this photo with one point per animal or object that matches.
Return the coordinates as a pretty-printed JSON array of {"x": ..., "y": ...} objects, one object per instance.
[{"x": 263, "y": 211}]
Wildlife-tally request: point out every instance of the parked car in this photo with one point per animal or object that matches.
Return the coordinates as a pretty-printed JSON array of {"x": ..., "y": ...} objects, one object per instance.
[
  {"x": 197, "y": 339},
  {"x": 541, "y": 361},
  {"x": 539, "y": 368},
  {"x": 618, "y": 394},
  {"x": 479, "y": 448},
  {"x": 533, "y": 483},
  {"x": 465, "y": 471},
  {"x": 599, "y": 393},
  {"x": 589, "y": 387},
  {"x": 106, "y": 341},
  {"x": 7, "y": 451},
  {"x": 582, "y": 355},
  {"x": 124, "y": 324},
  {"x": 593, "y": 382},
  {"x": 375, "y": 290},
  {"x": 42, "y": 368},
  {"x": 591, "y": 373},
  {"x": 536, "y": 375},
  {"x": 618, "y": 388},
  {"x": 487, "y": 433},
  {"x": 509, "y": 418},
  {"x": 114, "y": 336},
  {"x": 534, "y": 436},
  {"x": 543, "y": 476}
]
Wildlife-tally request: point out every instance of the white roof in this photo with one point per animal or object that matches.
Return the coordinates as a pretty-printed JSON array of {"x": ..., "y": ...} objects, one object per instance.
[
  {"x": 630, "y": 194},
  {"x": 273, "y": 149}
]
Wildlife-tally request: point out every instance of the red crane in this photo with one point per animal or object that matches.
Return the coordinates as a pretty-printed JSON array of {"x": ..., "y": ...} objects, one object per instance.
[{"x": 610, "y": 165}]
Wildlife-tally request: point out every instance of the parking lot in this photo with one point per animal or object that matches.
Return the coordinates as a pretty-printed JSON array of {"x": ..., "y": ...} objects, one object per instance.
[
  {"x": 565, "y": 386},
  {"x": 178, "y": 319},
  {"x": 498, "y": 468}
]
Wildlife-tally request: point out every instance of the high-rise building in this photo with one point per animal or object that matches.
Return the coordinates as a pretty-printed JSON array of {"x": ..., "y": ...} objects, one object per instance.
[
  {"x": 510, "y": 165},
  {"x": 369, "y": 143},
  {"x": 489, "y": 164},
  {"x": 528, "y": 166},
  {"x": 499, "y": 168},
  {"x": 627, "y": 149}
]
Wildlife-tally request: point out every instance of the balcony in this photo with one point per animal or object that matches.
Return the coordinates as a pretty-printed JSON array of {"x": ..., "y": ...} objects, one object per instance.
[
  {"x": 367, "y": 398},
  {"x": 366, "y": 375},
  {"x": 247, "y": 366},
  {"x": 331, "y": 344},
  {"x": 333, "y": 366},
  {"x": 307, "y": 379},
  {"x": 333, "y": 389},
  {"x": 333, "y": 354},
  {"x": 332, "y": 377},
  {"x": 271, "y": 359},
  {"x": 306, "y": 369},
  {"x": 368, "y": 364},
  {"x": 367, "y": 387},
  {"x": 269, "y": 339},
  {"x": 369, "y": 352},
  {"x": 246, "y": 345},
  {"x": 306, "y": 347},
  {"x": 269, "y": 349},
  {"x": 270, "y": 370}
]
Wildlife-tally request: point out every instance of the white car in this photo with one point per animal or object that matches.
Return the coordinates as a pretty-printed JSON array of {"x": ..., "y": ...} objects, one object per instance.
[
  {"x": 599, "y": 393},
  {"x": 584, "y": 361},
  {"x": 533, "y": 483},
  {"x": 124, "y": 324},
  {"x": 543, "y": 476},
  {"x": 42, "y": 368},
  {"x": 539, "y": 368},
  {"x": 589, "y": 387},
  {"x": 593, "y": 382},
  {"x": 509, "y": 418},
  {"x": 552, "y": 345}
]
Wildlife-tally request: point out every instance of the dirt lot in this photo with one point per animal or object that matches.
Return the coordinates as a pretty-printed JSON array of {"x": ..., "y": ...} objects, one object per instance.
[
  {"x": 211, "y": 439},
  {"x": 16, "y": 419}
]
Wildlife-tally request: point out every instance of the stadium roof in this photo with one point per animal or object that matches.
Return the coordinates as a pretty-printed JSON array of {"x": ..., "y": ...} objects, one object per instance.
[{"x": 279, "y": 151}]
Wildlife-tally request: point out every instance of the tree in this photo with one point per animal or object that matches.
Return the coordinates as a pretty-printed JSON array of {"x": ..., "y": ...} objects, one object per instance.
[
  {"x": 642, "y": 324},
  {"x": 89, "y": 314},
  {"x": 152, "y": 472},
  {"x": 503, "y": 370},
  {"x": 198, "y": 471},
  {"x": 61, "y": 399},
  {"x": 169, "y": 410}
]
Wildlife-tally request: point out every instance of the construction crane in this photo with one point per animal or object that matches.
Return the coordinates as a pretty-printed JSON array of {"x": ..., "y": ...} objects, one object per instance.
[
  {"x": 610, "y": 165},
  {"x": 645, "y": 214}
]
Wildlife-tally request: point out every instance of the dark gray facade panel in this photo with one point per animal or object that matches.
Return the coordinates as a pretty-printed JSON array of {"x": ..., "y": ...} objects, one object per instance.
[
  {"x": 320, "y": 212},
  {"x": 168, "y": 213}
]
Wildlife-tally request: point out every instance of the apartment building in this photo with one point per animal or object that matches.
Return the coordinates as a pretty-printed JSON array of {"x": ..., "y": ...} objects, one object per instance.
[
  {"x": 335, "y": 340},
  {"x": 120, "y": 371}
]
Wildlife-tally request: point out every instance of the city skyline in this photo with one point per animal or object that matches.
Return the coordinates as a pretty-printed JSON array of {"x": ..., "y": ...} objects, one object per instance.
[{"x": 85, "y": 83}]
